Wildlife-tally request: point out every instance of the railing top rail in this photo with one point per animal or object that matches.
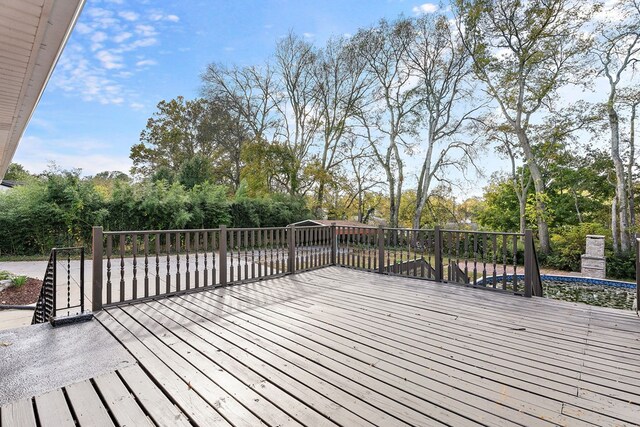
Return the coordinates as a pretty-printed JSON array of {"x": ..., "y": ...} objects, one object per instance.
[
  {"x": 190, "y": 230},
  {"x": 497, "y": 233},
  {"x": 70, "y": 248}
]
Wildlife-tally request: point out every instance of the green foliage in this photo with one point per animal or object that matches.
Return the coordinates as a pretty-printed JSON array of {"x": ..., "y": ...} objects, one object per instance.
[
  {"x": 208, "y": 206},
  {"x": 499, "y": 211},
  {"x": 621, "y": 266},
  {"x": 60, "y": 208},
  {"x": 568, "y": 243},
  {"x": 5, "y": 275},
  {"x": 16, "y": 172},
  {"x": 18, "y": 281},
  {"x": 275, "y": 212}
]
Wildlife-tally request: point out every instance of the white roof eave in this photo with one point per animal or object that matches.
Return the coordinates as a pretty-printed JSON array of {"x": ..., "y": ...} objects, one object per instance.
[{"x": 33, "y": 34}]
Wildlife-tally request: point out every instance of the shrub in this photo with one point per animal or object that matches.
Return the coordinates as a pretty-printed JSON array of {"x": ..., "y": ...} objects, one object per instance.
[
  {"x": 18, "y": 281},
  {"x": 568, "y": 245},
  {"x": 621, "y": 266}
]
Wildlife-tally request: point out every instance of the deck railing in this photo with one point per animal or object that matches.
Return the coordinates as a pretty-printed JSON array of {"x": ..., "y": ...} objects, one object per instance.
[
  {"x": 134, "y": 265},
  {"x": 637, "y": 302},
  {"x": 62, "y": 292},
  {"x": 137, "y": 265},
  {"x": 472, "y": 258}
]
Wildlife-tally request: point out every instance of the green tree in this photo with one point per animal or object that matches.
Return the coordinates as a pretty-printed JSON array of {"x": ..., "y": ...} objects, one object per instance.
[
  {"x": 17, "y": 172},
  {"x": 523, "y": 52}
]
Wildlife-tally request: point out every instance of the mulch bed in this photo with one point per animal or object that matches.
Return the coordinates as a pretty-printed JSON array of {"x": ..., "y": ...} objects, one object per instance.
[{"x": 24, "y": 295}]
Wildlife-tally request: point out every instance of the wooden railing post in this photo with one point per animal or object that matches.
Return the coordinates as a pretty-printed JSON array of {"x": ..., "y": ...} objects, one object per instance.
[
  {"x": 223, "y": 255},
  {"x": 96, "y": 249},
  {"x": 334, "y": 243},
  {"x": 529, "y": 261},
  {"x": 380, "y": 249},
  {"x": 637, "y": 273},
  {"x": 291, "y": 246},
  {"x": 438, "y": 253}
]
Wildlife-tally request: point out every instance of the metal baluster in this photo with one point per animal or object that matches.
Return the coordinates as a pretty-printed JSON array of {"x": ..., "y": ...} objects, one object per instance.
[{"x": 68, "y": 282}]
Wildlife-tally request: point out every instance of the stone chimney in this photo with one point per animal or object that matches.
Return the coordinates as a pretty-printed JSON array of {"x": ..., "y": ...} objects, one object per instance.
[{"x": 593, "y": 261}]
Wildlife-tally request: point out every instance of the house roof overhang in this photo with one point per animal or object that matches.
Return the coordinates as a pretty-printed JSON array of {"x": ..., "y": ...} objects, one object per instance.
[{"x": 33, "y": 34}]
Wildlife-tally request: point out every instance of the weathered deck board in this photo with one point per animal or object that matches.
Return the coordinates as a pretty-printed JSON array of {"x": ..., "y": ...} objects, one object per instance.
[
  {"x": 481, "y": 373},
  {"x": 53, "y": 410},
  {"x": 160, "y": 409},
  {"x": 86, "y": 404},
  {"x": 339, "y": 345},
  {"x": 120, "y": 402},
  {"x": 19, "y": 413}
]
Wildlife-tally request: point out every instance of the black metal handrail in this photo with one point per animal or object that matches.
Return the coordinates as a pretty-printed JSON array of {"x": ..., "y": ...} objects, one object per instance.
[{"x": 48, "y": 307}]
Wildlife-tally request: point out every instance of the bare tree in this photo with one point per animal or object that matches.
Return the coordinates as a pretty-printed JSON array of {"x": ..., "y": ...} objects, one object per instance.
[
  {"x": 523, "y": 53},
  {"x": 439, "y": 60},
  {"x": 389, "y": 115},
  {"x": 617, "y": 47},
  {"x": 249, "y": 92},
  {"x": 340, "y": 85},
  {"x": 295, "y": 62}
]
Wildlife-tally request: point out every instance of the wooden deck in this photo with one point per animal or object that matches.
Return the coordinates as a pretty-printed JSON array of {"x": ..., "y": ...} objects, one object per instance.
[{"x": 342, "y": 347}]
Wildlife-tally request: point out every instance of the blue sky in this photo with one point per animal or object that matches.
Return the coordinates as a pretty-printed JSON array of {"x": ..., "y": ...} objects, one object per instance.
[{"x": 124, "y": 56}]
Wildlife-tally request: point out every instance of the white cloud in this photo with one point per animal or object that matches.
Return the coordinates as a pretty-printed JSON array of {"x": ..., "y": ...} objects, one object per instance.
[
  {"x": 119, "y": 38},
  {"x": 36, "y": 154},
  {"x": 136, "y": 106},
  {"x": 146, "y": 30},
  {"x": 425, "y": 8},
  {"x": 158, "y": 16},
  {"x": 105, "y": 51},
  {"x": 109, "y": 60},
  {"x": 146, "y": 62},
  {"x": 83, "y": 28},
  {"x": 308, "y": 35},
  {"x": 129, "y": 16}
]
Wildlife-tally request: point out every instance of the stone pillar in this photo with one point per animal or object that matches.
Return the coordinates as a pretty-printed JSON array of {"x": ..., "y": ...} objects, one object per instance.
[{"x": 593, "y": 261}]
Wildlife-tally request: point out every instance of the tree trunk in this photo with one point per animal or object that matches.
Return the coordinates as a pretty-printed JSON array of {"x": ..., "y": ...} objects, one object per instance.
[
  {"x": 632, "y": 160},
  {"x": 522, "y": 202},
  {"x": 539, "y": 187},
  {"x": 614, "y": 225},
  {"x": 621, "y": 187}
]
